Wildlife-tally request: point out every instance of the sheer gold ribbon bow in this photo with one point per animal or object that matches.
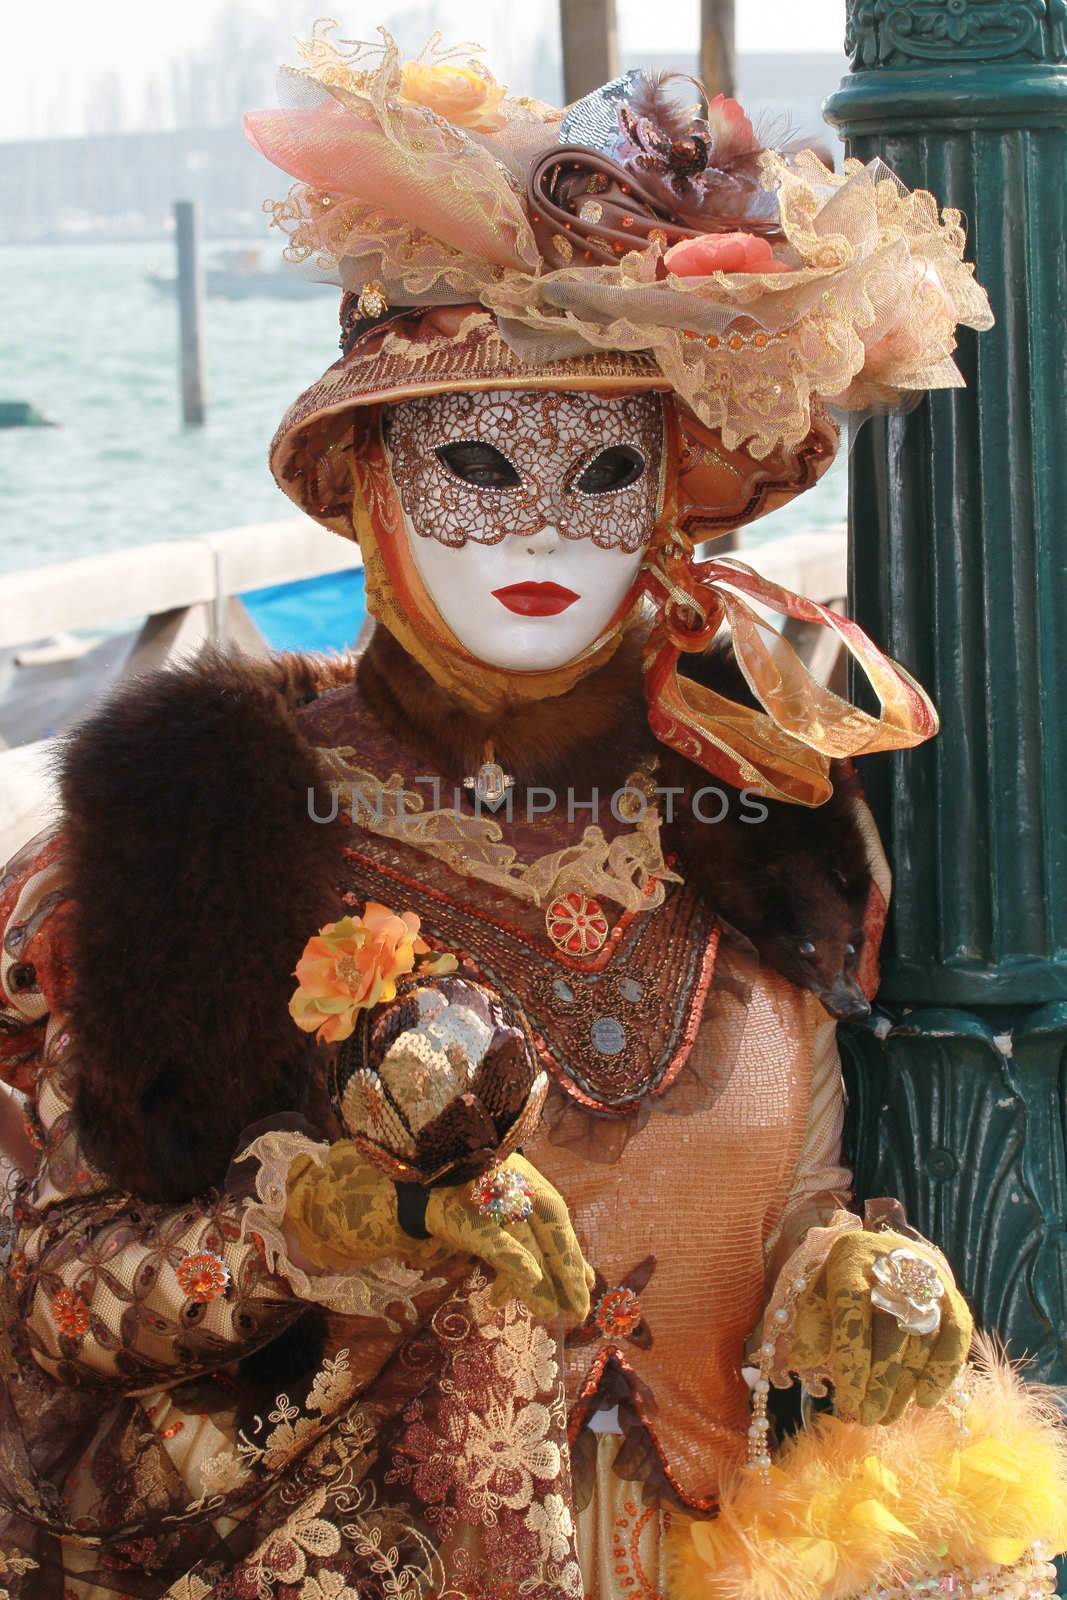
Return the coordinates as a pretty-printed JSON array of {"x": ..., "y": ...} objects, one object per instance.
[{"x": 785, "y": 749}]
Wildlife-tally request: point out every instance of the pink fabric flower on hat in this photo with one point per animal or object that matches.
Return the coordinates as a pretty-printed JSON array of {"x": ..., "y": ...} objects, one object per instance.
[{"x": 721, "y": 252}]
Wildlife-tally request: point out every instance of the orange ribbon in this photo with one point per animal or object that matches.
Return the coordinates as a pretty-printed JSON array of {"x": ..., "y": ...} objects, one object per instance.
[{"x": 784, "y": 750}]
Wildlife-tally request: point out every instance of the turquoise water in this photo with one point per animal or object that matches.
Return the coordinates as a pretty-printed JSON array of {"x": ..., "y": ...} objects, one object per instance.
[
  {"x": 94, "y": 346},
  {"x": 88, "y": 339}
]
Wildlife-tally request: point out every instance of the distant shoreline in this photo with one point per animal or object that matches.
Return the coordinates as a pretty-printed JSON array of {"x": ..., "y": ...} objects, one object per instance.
[{"x": 258, "y": 236}]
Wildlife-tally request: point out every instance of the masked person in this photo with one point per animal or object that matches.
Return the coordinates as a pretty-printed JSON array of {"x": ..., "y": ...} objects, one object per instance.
[{"x": 289, "y": 1316}]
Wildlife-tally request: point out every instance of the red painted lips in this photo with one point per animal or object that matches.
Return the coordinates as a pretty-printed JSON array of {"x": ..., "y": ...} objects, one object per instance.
[{"x": 536, "y": 599}]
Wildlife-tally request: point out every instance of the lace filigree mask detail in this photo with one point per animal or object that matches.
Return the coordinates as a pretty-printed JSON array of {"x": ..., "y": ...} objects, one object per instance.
[{"x": 481, "y": 466}]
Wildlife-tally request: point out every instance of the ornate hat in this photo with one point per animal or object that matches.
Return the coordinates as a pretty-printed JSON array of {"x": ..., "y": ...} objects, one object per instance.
[
  {"x": 628, "y": 241},
  {"x": 631, "y": 242}
]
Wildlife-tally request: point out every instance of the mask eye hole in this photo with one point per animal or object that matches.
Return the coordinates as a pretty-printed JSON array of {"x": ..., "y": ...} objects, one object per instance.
[
  {"x": 806, "y": 947},
  {"x": 478, "y": 464},
  {"x": 850, "y": 949},
  {"x": 612, "y": 469}
]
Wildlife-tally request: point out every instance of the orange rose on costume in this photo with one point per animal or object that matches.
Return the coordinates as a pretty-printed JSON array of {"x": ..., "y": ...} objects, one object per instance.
[
  {"x": 721, "y": 252},
  {"x": 351, "y": 965},
  {"x": 464, "y": 96}
]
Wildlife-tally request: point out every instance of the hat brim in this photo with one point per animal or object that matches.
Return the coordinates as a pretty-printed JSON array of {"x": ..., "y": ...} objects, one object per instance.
[{"x": 461, "y": 348}]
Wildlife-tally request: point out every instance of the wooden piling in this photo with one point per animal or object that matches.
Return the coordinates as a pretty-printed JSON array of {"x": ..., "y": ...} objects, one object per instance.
[
  {"x": 590, "y": 45},
  {"x": 718, "y": 59},
  {"x": 190, "y": 310}
]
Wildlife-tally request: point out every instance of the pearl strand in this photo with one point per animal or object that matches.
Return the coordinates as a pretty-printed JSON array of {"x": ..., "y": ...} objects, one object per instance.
[{"x": 759, "y": 1454}]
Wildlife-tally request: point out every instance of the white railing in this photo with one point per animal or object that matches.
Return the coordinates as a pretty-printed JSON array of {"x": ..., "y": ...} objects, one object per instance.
[
  {"x": 188, "y": 592},
  {"x": 197, "y": 580}
]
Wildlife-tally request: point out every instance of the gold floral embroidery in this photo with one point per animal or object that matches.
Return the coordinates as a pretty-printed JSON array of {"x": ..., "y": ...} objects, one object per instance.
[
  {"x": 358, "y": 1428},
  {"x": 188, "y": 1587},
  {"x": 13, "y": 1565},
  {"x": 403, "y": 1560},
  {"x": 284, "y": 1556},
  {"x": 491, "y": 1449},
  {"x": 291, "y": 1430},
  {"x": 524, "y": 1353},
  {"x": 505, "y": 1449},
  {"x": 525, "y": 1356},
  {"x": 333, "y": 1384},
  {"x": 221, "y": 1473},
  {"x": 551, "y": 1520},
  {"x": 328, "y": 1586}
]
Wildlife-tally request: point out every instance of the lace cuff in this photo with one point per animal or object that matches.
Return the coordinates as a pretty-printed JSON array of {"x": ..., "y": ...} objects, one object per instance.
[
  {"x": 371, "y": 1291},
  {"x": 806, "y": 1260}
]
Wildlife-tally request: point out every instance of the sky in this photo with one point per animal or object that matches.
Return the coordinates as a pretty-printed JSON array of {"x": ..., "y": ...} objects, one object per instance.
[{"x": 47, "y": 68}]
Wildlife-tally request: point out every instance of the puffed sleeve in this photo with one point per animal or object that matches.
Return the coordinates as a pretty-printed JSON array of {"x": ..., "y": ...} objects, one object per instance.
[
  {"x": 111, "y": 1290},
  {"x": 118, "y": 1292},
  {"x": 34, "y": 944}
]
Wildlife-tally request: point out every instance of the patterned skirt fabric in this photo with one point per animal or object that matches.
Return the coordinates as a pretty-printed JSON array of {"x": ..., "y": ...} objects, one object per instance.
[{"x": 445, "y": 1475}]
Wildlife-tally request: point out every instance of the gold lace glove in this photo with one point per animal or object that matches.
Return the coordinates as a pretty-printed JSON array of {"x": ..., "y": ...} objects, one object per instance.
[
  {"x": 538, "y": 1261},
  {"x": 344, "y": 1213},
  {"x": 876, "y": 1365}
]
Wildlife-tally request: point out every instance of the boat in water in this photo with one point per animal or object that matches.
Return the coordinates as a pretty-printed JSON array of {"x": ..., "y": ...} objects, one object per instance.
[{"x": 239, "y": 274}]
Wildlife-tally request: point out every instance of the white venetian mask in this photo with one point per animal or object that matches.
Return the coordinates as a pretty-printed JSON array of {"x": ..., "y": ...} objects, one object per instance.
[{"x": 527, "y": 514}]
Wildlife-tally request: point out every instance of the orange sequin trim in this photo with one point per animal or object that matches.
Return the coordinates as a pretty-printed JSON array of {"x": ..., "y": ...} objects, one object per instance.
[{"x": 583, "y": 1405}]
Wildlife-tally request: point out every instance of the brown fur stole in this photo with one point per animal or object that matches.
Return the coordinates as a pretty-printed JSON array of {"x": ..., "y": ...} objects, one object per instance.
[
  {"x": 592, "y": 736},
  {"x": 196, "y": 878}
]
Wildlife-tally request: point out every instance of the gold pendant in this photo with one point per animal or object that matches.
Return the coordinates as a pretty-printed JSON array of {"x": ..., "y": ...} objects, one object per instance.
[{"x": 490, "y": 783}]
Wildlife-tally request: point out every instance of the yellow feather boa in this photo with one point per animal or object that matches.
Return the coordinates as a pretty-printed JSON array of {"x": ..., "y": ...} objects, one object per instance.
[{"x": 922, "y": 1506}]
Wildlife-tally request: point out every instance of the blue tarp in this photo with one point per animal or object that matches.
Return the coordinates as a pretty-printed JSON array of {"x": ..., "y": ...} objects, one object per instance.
[{"x": 316, "y": 614}]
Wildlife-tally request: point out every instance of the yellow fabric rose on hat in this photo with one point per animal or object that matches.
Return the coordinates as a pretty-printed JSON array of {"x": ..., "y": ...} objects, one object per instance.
[
  {"x": 468, "y": 97},
  {"x": 353, "y": 964}
]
